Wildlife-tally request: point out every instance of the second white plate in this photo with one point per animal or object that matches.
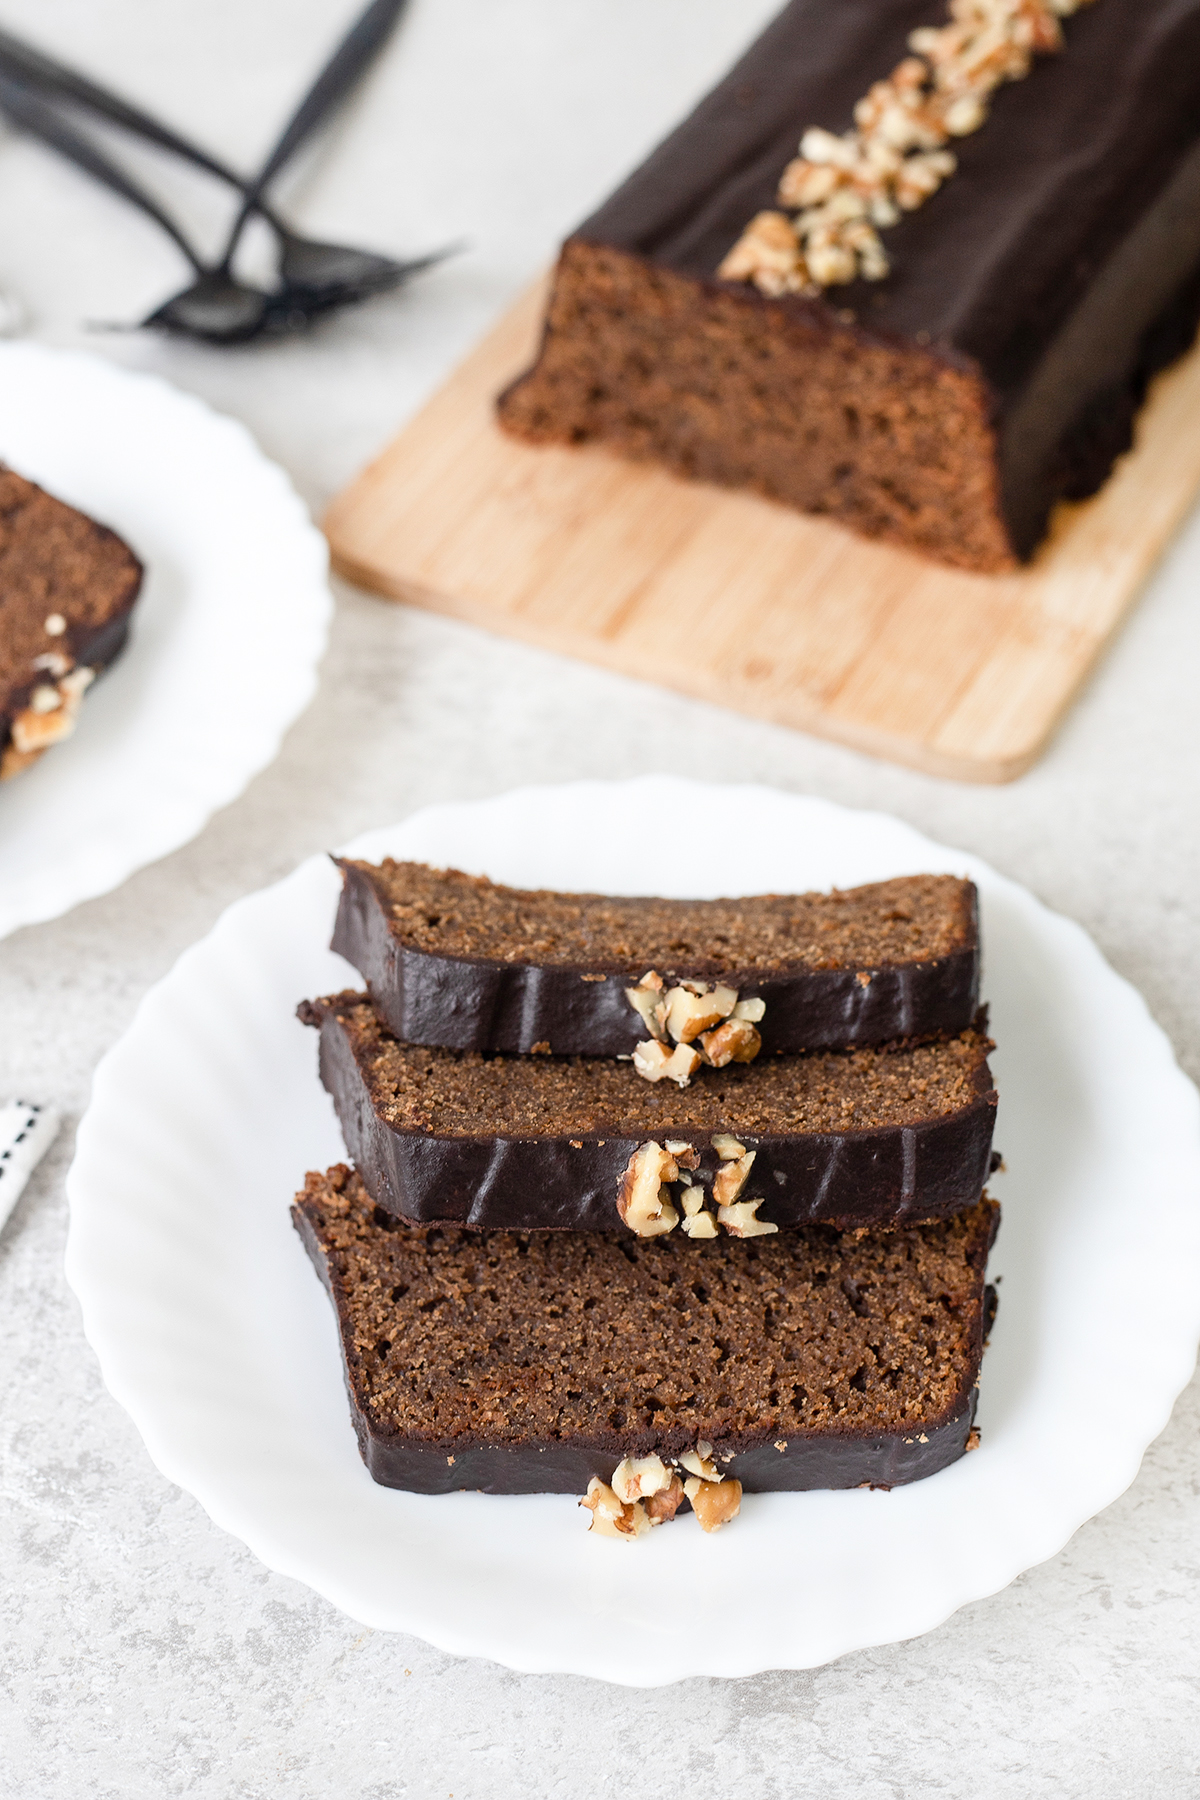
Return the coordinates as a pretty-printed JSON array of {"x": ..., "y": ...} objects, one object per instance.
[
  {"x": 225, "y": 639},
  {"x": 212, "y": 1330}
]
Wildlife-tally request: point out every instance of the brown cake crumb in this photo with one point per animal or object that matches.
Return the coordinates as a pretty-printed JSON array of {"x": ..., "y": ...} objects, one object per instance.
[
  {"x": 454, "y": 1337},
  {"x": 452, "y": 1092},
  {"x": 911, "y": 918}
]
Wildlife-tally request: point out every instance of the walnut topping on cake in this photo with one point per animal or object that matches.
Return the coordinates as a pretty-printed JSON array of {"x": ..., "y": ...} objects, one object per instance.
[
  {"x": 706, "y": 1024},
  {"x": 647, "y": 1204},
  {"x": 637, "y": 1477},
  {"x": 644, "y": 1201},
  {"x": 739, "y": 1220},
  {"x": 843, "y": 190},
  {"x": 699, "y": 1462},
  {"x": 51, "y": 713}
]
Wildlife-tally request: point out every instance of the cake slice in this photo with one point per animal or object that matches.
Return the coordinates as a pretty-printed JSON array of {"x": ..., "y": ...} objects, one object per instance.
[
  {"x": 856, "y": 1138},
  {"x": 935, "y": 319},
  {"x": 527, "y": 1364},
  {"x": 459, "y": 961},
  {"x": 67, "y": 588}
]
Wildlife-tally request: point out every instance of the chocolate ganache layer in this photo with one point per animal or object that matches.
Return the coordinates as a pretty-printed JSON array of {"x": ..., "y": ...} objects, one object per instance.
[
  {"x": 529, "y": 1364},
  {"x": 853, "y": 1138},
  {"x": 455, "y": 960},
  {"x": 995, "y": 369}
]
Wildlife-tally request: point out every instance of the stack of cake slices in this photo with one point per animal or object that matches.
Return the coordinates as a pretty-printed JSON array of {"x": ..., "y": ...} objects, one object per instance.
[{"x": 656, "y": 1201}]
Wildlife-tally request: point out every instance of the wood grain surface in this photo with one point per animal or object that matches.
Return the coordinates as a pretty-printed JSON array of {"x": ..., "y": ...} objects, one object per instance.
[{"x": 746, "y": 604}]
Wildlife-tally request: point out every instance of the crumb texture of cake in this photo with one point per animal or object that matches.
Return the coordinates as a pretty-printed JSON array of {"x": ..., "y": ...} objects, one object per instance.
[
  {"x": 999, "y": 363},
  {"x": 856, "y": 1137},
  {"x": 521, "y": 1363},
  {"x": 67, "y": 587},
  {"x": 457, "y": 960}
]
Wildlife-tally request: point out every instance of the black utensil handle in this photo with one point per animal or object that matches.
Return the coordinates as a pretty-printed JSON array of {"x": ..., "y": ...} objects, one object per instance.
[
  {"x": 348, "y": 64},
  {"x": 34, "y": 68},
  {"x": 35, "y": 115}
]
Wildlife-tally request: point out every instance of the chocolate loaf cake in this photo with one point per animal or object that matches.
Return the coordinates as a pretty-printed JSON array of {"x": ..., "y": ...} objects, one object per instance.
[
  {"x": 456, "y": 960},
  {"x": 67, "y": 588},
  {"x": 961, "y": 342},
  {"x": 856, "y": 1138},
  {"x": 530, "y": 1364}
]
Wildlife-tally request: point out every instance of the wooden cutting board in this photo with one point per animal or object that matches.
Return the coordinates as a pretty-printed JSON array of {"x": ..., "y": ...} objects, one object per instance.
[{"x": 746, "y": 604}]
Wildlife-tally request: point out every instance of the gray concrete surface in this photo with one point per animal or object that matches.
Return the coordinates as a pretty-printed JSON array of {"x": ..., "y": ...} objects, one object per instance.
[{"x": 144, "y": 1653}]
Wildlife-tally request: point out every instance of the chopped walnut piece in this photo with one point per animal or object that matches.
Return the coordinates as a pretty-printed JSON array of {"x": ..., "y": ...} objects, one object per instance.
[
  {"x": 699, "y": 1462},
  {"x": 768, "y": 254},
  {"x": 805, "y": 183},
  {"x": 52, "y": 662},
  {"x": 684, "y": 1152},
  {"x": 727, "y": 1147},
  {"x": 647, "y": 1000},
  {"x": 731, "y": 1178},
  {"x": 610, "y": 1516},
  {"x": 666, "y": 1503},
  {"x": 636, "y": 1477},
  {"x": 700, "y": 1224},
  {"x": 51, "y": 714},
  {"x": 643, "y": 1202},
  {"x": 973, "y": 1438},
  {"x": 739, "y": 1219},
  {"x": 689, "y": 1013},
  {"x": 734, "y": 1041},
  {"x": 654, "y": 1062},
  {"x": 714, "y": 1505},
  {"x": 752, "y": 1009}
]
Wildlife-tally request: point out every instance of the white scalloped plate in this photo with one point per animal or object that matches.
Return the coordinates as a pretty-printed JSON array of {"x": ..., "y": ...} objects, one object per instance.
[
  {"x": 225, "y": 639},
  {"x": 212, "y": 1330}
]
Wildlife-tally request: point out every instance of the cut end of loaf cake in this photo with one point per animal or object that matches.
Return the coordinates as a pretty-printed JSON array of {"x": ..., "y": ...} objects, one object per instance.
[
  {"x": 780, "y": 396},
  {"x": 526, "y": 1362}
]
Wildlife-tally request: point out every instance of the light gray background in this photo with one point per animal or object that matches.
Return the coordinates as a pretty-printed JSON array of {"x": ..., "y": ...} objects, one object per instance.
[{"x": 144, "y": 1652}]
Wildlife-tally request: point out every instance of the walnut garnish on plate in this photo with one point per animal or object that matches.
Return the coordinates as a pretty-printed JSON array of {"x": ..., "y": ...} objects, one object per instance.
[
  {"x": 646, "y": 1491},
  {"x": 612, "y": 1517}
]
